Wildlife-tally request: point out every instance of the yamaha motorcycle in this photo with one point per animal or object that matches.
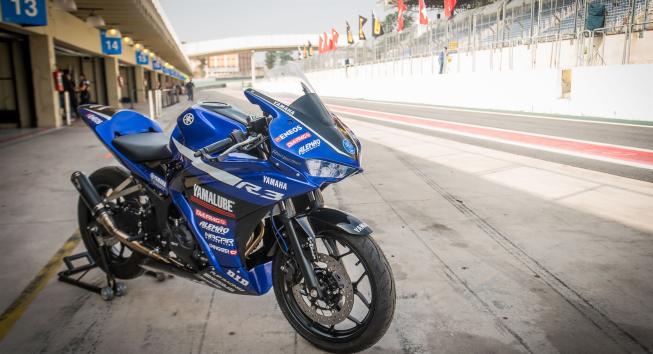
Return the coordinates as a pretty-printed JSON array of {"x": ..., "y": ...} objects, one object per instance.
[{"x": 235, "y": 202}]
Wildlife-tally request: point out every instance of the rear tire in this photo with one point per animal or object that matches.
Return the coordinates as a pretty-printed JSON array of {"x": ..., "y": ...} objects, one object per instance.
[
  {"x": 128, "y": 267},
  {"x": 381, "y": 305}
]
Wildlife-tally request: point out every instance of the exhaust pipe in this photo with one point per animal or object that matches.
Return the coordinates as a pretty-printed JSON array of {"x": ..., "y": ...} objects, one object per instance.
[{"x": 102, "y": 215}]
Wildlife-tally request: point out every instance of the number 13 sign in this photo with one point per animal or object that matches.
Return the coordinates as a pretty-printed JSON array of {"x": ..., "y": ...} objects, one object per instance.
[{"x": 24, "y": 12}]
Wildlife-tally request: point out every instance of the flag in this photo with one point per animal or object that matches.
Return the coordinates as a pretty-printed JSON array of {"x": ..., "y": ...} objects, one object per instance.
[
  {"x": 377, "y": 29},
  {"x": 305, "y": 52},
  {"x": 320, "y": 45},
  {"x": 449, "y": 5},
  {"x": 334, "y": 37},
  {"x": 310, "y": 49},
  {"x": 350, "y": 37},
  {"x": 401, "y": 8},
  {"x": 423, "y": 19},
  {"x": 361, "y": 24}
]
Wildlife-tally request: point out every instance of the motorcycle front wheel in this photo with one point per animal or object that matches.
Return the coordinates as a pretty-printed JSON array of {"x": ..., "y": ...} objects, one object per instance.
[{"x": 358, "y": 300}]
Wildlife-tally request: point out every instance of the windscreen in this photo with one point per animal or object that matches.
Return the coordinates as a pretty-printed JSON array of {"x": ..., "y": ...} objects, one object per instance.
[{"x": 288, "y": 85}]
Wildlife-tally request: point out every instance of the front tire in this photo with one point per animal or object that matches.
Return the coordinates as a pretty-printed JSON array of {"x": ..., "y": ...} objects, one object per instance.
[{"x": 368, "y": 272}]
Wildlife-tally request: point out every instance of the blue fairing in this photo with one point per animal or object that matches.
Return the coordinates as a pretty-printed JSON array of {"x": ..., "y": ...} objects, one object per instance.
[
  {"x": 224, "y": 200},
  {"x": 108, "y": 123}
]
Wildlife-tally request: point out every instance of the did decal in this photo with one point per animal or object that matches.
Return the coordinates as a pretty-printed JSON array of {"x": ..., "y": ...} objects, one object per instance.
[
  {"x": 213, "y": 201},
  {"x": 275, "y": 183},
  {"x": 237, "y": 277},
  {"x": 208, "y": 217},
  {"x": 288, "y": 133},
  {"x": 298, "y": 139},
  {"x": 309, "y": 146}
]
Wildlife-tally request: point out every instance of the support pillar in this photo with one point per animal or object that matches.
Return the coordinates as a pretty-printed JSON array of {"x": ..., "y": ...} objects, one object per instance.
[
  {"x": 46, "y": 98},
  {"x": 113, "y": 89},
  {"x": 139, "y": 77},
  {"x": 253, "y": 65}
]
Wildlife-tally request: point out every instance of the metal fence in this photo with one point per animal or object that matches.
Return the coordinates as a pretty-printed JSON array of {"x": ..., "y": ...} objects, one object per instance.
[{"x": 501, "y": 24}]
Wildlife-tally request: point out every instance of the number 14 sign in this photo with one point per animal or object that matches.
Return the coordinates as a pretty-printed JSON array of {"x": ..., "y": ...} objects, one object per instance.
[
  {"x": 24, "y": 12},
  {"x": 110, "y": 45}
]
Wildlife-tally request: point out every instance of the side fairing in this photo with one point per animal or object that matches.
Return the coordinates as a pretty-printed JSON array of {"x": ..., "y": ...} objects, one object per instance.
[{"x": 223, "y": 202}]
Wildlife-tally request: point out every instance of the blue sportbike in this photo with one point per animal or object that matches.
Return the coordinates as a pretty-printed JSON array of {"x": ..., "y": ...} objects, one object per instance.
[{"x": 234, "y": 201}]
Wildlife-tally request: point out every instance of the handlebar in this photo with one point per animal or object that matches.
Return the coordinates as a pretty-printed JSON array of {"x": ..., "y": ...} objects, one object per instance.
[{"x": 217, "y": 146}]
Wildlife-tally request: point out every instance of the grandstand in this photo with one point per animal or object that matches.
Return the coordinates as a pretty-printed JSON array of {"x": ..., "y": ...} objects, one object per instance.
[{"x": 509, "y": 24}]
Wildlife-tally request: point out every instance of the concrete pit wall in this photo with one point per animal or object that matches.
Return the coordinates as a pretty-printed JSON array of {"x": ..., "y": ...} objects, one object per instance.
[{"x": 522, "y": 78}]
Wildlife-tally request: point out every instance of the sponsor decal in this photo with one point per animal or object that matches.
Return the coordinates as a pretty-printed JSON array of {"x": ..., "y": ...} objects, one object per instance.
[
  {"x": 219, "y": 239},
  {"x": 222, "y": 249},
  {"x": 222, "y": 230},
  {"x": 288, "y": 133},
  {"x": 349, "y": 146},
  {"x": 157, "y": 181},
  {"x": 360, "y": 227},
  {"x": 310, "y": 146},
  {"x": 93, "y": 118},
  {"x": 208, "y": 217},
  {"x": 213, "y": 201},
  {"x": 298, "y": 139},
  {"x": 216, "y": 280},
  {"x": 237, "y": 277},
  {"x": 285, "y": 158},
  {"x": 283, "y": 107},
  {"x": 188, "y": 119},
  {"x": 275, "y": 183}
]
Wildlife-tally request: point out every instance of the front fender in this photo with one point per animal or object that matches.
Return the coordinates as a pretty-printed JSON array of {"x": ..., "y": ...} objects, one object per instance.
[{"x": 326, "y": 219}]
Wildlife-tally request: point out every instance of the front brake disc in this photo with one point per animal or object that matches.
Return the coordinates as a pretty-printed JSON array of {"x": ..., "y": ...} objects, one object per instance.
[{"x": 346, "y": 301}]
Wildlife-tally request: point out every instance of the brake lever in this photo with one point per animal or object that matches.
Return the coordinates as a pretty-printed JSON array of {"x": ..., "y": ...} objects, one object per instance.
[{"x": 243, "y": 143}]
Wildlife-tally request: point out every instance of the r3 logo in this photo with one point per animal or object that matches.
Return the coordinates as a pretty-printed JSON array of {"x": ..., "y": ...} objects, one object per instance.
[{"x": 257, "y": 190}]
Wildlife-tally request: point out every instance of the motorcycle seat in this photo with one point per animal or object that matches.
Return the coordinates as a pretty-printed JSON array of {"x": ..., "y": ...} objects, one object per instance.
[{"x": 144, "y": 147}]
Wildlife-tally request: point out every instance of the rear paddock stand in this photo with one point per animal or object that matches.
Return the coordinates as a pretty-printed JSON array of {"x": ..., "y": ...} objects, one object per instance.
[{"x": 108, "y": 292}]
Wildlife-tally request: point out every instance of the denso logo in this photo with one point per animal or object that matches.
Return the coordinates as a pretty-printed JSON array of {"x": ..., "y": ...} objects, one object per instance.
[
  {"x": 288, "y": 133},
  {"x": 310, "y": 146},
  {"x": 210, "y": 218},
  {"x": 298, "y": 139}
]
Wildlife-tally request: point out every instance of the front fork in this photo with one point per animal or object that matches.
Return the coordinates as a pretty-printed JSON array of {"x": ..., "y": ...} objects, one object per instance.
[{"x": 287, "y": 215}]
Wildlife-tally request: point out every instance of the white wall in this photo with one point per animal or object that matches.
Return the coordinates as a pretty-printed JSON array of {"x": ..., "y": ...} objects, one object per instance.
[{"x": 613, "y": 91}]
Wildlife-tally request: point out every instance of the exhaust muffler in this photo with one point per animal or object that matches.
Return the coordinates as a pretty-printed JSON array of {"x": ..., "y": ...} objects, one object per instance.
[{"x": 102, "y": 215}]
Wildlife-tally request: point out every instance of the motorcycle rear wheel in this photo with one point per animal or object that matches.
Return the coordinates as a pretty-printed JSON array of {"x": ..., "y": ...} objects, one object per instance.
[
  {"x": 351, "y": 334},
  {"x": 123, "y": 263}
]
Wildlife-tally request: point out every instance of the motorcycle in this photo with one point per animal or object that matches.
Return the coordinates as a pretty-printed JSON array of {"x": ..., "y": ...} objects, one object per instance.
[{"x": 235, "y": 202}]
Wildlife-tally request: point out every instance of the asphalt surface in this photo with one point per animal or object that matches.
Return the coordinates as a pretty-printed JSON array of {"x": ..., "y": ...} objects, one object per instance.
[
  {"x": 623, "y": 133},
  {"x": 492, "y": 252}
]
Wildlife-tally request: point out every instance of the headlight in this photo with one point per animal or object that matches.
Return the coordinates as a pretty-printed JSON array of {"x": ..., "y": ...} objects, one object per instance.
[{"x": 319, "y": 168}]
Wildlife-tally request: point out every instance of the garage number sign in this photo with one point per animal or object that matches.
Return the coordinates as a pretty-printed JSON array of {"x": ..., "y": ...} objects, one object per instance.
[
  {"x": 24, "y": 12},
  {"x": 142, "y": 58},
  {"x": 111, "y": 45}
]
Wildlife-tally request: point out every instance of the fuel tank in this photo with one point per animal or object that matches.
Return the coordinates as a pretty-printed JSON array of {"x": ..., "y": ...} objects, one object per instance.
[{"x": 208, "y": 122}]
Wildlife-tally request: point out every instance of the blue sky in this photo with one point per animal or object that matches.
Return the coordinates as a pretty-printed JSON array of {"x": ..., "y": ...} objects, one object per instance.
[{"x": 195, "y": 20}]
